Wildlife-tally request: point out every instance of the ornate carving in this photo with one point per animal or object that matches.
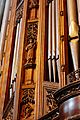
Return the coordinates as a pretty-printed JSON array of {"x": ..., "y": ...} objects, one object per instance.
[
  {"x": 33, "y": 4},
  {"x": 32, "y": 30},
  {"x": 10, "y": 115},
  {"x": 8, "y": 112},
  {"x": 73, "y": 76},
  {"x": 27, "y": 103},
  {"x": 51, "y": 103}
]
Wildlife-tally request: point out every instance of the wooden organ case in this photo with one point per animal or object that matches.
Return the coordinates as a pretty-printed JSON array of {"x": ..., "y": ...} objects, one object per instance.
[{"x": 39, "y": 55}]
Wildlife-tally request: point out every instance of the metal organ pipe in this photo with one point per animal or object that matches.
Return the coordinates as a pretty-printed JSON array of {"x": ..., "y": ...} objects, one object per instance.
[
  {"x": 14, "y": 57},
  {"x": 54, "y": 40},
  {"x": 57, "y": 39},
  {"x": 73, "y": 32},
  {"x": 4, "y": 26},
  {"x": 78, "y": 6},
  {"x": 2, "y": 5},
  {"x": 49, "y": 41},
  {"x": 17, "y": 55}
]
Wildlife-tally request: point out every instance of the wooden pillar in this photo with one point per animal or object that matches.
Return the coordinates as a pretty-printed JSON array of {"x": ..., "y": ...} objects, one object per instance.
[
  {"x": 63, "y": 43},
  {"x": 7, "y": 58},
  {"x": 40, "y": 61},
  {"x": 20, "y": 62}
]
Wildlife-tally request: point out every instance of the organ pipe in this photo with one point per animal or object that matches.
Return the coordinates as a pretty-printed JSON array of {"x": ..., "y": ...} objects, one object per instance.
[
  {"x": 73, "y": 32},
  {"x": 14, "y": 56},
  {"x": 57, "y": 39},
  {"x": 54, "y": 40},
  {"x": 49, "y": 40},
  {"x": 2, "y": 5},
  {"x": 4, "y": 27},
  {"x": 78, "y": 6},
  {"x": 17, "y": 55}
]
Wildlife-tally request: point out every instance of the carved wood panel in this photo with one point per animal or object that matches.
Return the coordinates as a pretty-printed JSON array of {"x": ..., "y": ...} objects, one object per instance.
[
  {"x": 30, "y": 50},
  {"x": 32, "y": 30},
  {"x": 8, "y": 112},
  {"x": 49, "y": 102},
  {"x": 27, "y": 104}
]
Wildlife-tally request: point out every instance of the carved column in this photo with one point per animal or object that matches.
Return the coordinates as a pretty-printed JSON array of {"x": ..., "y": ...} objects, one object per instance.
[
  {"x": 30, "y": 49},
  {"x": 27, "y": 62},
  {"x": 20, "y": 61}
]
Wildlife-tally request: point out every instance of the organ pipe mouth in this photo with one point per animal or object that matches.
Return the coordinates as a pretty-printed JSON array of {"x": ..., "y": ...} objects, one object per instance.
[
  {"x": 73, "y": 29},
  {"x": 74, "y": 45}
]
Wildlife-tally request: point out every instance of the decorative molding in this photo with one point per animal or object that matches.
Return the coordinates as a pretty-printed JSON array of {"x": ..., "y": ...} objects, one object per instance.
[
  {"x": 32, "y": 31},
  {"x": 27, "y": 103},
  {"x": 67, "y": 92},
  {"x": 52, "y": 115}
]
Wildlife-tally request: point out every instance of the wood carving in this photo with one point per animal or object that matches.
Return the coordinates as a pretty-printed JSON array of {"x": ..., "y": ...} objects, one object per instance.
[
  {"x": 73, "y": 76},
  {"x": 10, "y": 115},
  {"x": 51, "y": 103},
  {"x": 27, "y": 103},
  {"x": 8, "y": 112},
  {"x": 33, "y": 4},
  {"x": 31, "y": 44}
]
